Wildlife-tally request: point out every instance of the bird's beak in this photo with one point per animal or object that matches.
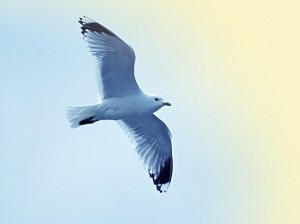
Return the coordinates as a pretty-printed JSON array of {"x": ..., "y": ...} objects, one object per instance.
[{"x": 167, "y": 104}]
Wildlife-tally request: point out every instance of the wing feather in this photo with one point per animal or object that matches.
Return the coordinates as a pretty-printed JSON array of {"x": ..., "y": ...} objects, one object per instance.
[
  {"x": 115, "y": 60},
  {"x": 154, "y": 146}
]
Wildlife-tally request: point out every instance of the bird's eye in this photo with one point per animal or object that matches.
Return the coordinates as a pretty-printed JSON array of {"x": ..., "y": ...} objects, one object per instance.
[{"x": 156, "y": 99}]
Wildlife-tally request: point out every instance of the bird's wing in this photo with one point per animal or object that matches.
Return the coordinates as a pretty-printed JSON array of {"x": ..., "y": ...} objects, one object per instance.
[
  {"x": 154, "y": 146},
  {"x": 115, "y": 60}
]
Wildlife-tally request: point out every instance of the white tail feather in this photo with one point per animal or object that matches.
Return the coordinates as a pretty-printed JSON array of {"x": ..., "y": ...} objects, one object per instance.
[{"x": 77, "y": 114}]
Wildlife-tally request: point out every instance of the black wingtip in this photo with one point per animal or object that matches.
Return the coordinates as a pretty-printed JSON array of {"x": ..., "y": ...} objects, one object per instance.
[
  {"x": 88, "y": 24},
  {"x": 163, "y": 178}
]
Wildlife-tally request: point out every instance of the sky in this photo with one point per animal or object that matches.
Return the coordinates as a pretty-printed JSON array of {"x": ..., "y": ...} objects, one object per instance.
[{"x": 229, "y": 68}]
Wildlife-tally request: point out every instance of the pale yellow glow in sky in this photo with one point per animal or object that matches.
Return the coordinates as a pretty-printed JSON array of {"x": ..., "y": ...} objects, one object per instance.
[{"x": 233, "y": 65}]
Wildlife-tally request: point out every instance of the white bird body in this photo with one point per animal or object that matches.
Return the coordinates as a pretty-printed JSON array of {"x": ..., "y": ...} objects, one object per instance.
[
  {"x": 117, "y": 108},
  {"x": 123, "y": 101}
]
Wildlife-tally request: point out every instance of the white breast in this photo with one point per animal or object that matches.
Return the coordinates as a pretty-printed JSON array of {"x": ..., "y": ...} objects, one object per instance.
[{"x": 126, "y": 107}]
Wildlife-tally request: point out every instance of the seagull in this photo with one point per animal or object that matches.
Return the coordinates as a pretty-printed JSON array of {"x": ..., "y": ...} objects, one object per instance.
[{"x": 122, "y": 100}]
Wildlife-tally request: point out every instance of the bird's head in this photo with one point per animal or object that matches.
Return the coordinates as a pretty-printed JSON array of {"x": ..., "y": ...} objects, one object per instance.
[{"x": 158, "y": 102}]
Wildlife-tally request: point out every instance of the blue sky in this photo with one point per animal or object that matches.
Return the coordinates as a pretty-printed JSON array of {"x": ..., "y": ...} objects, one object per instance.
[
  {"x": 234, "y": 128},
  {"x": 54, "y": 174}
]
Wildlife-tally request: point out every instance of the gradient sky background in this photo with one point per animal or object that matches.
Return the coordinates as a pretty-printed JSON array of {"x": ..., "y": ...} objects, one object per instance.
[{"x": 231, "y": 70}]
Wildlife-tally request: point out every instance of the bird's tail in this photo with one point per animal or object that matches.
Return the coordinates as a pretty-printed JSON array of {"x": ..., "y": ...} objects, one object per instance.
[{"x": 78, "y": 116}]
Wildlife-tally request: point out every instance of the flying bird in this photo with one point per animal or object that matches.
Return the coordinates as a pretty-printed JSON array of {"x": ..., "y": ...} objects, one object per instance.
[{"x": 122, "y": 100}]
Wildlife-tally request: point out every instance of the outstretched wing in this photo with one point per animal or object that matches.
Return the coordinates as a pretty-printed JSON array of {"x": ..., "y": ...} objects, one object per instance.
[
  {"x": 154, "y": 146},
  {"x": 115, "y": 60}
]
